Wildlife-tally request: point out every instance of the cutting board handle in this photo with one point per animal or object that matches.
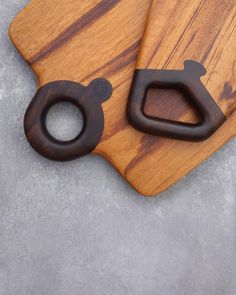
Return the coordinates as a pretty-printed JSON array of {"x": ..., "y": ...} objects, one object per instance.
[
  {"x": 186, "y": 81},
  {"x": 88, "y": 99}
]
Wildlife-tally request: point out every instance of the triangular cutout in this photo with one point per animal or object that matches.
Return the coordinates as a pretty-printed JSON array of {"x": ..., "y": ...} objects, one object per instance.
[{"x": 170, "y": 104}]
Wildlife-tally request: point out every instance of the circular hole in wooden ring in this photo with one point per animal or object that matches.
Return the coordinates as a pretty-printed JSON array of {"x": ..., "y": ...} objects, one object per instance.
[{"x": 64, "y": 121}]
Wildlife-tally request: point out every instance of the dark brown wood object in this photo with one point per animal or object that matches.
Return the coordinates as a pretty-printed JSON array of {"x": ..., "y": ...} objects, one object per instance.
[
  {"x": 186, "y": 81},
  {"x": 87, "y": 99}
]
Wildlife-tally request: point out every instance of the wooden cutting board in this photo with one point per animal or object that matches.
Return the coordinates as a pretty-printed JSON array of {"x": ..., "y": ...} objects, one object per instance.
[
  {"x": 177, "y": 31},
  {"x": 83, "y": 40}
]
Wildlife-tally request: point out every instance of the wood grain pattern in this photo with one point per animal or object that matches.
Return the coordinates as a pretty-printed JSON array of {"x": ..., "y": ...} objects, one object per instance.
[
  {"x": 194, "y": 33},
  {"x": 83, "y": 40}
]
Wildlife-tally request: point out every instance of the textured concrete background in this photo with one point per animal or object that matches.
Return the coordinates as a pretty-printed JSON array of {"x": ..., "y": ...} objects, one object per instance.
[{"x": 78, "y": 228}]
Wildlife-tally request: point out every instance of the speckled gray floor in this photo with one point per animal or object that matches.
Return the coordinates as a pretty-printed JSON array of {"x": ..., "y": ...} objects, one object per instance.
[{"x": 78, "y": 228}]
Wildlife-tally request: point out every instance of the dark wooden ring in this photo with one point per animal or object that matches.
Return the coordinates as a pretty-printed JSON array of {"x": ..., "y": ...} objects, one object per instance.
[
  {"x": 87, "y": 99},
  {"x": 188, "y": 82}
]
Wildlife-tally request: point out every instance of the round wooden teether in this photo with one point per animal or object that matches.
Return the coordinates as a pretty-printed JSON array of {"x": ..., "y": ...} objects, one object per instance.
[{"x": 87, "y": 99}]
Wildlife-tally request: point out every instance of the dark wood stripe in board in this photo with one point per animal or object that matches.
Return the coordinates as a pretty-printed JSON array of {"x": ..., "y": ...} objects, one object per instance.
[
  {"x": 148, "y": 144},
  {"x": 200, "y": 6},
  {"x": 124, "y": 63},
  {"x": 87, "y": 19},
  {"x": 155, "y": 51},
  {"x": 150, "y": 58},
  {"x": 228, "y": 92},
  {"x": 123, "y": 59},
  {"x": 223, "y": 17}
]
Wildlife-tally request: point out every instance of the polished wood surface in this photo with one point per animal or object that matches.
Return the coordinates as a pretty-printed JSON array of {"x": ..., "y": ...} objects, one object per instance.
[{"x": 83, "y": 40}]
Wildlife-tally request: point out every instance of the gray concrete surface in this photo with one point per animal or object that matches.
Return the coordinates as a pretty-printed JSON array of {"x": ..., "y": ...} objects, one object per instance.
[{"x": 78, "y": 228}]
